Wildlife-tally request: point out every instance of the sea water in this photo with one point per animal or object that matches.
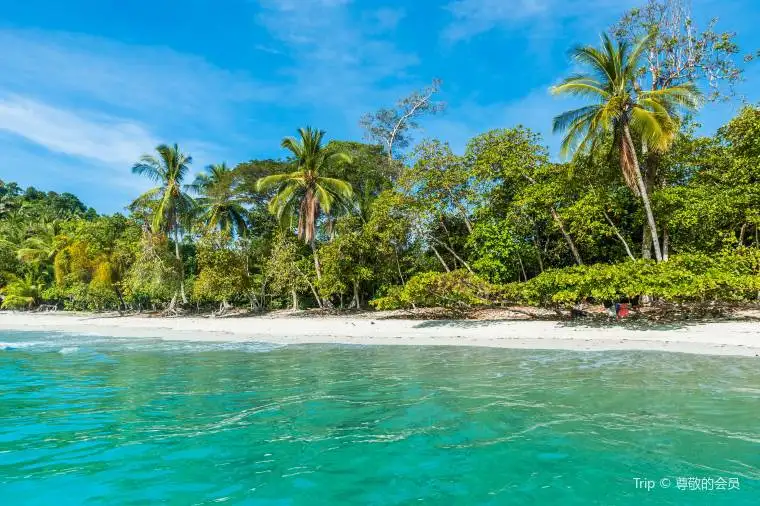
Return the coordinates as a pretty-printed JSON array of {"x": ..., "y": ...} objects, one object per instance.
[{"x": 102, "y": 420}]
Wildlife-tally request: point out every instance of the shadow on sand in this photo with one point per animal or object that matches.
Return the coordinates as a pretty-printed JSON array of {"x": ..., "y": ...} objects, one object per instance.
[{"x": 642, "y": 324}]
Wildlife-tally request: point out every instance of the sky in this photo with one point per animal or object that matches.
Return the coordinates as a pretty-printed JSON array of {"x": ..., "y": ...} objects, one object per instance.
[{"x": 87, "y": 86}]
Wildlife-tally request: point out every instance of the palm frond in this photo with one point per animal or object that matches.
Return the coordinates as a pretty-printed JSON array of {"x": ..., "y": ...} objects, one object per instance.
[
  {"x": 337, "y": 186},
  {"x": 581, "y": 86},
  {"x": 147, "y": 198},
  {"x": 149, "y": 167},
  {"x": 267, "y": 183},
  {"x": 685, "y": 95},
  {"x": 283, "y": 197},
  {"x": 565, "y": 120},
  {"x": 597, "y": 60},
  {"x": 324, "y": 198}
]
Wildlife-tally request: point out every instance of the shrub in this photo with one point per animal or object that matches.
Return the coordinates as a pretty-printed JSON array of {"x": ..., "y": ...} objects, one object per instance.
[
  {"x": 20, "y": 293},
  {"x": 730, "y": 277},
  {"x": 222, "y": 277},
  {"x": 438, "y": 289},
  {"x": 79, "y": 296},
  {"x": 694, "y": 278}
]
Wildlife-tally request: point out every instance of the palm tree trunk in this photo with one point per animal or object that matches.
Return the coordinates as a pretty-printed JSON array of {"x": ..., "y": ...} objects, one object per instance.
[
  {"x": 644, "y": 194},
  {"x": 181, "y": 267},
  {"x": 314, "y": 292},
  {"x": 172, "y": 303},
  {"x": 649, "y": 173},
  {"x": 294, "y": 295},
  {"x": 568, "y": 239},
  {"x": 122, "y": 304},
  {"x": 356, "y": 302},
  {"x": 646, "y": 243},
  {"x": 317, "y": 267}
]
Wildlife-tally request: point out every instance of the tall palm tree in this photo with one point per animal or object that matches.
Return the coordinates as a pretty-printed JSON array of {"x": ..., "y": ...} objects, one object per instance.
[
  {"x": 621, "y": 108},
  {"x": 220, "y": 202},
  {"x": 306, "y": 192},
  {"x": 169, "y": 202}
]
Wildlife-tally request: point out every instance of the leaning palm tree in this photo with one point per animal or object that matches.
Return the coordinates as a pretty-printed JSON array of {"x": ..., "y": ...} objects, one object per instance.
[
  {"x": 220, "y": 202},
  {"x": 306, "y": 193},
  {"x": 169, "y": 203},
  {"x": 621, "y": 108}
]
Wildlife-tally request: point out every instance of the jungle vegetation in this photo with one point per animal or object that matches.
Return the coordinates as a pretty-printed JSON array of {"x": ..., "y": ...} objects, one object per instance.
[{"x": 639, "y": 206}]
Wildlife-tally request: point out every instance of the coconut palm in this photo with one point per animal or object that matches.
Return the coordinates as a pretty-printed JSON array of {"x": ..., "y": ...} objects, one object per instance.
[
  {"x": 21, "y": 292},
  {"x": 621, "y": 108},
  {"x": 169, "y": 203},
  {"x": 220, "y": 202},
  {"x": 13, "y": 230},
  {"x": 40, "y": 247},
  {"x": 306, "y": 193}
]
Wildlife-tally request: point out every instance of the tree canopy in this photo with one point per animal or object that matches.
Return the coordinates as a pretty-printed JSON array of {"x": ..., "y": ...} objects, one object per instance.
[{"x": 398, "y": 223}]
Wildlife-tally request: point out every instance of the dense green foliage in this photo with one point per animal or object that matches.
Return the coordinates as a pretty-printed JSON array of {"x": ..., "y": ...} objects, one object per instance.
[
  {"x": 349, "y": 225},
  {"x": 458, "y": 288},
  {"x": 497, "y": 224},
  {"x": 696, "y": 278}
]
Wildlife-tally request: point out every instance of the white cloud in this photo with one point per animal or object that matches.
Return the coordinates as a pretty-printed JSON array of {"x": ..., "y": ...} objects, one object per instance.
[
  {"x": 95, "y": 105},
  {"x": 104, "y": 139},
  {"x": 473, "y": 17},
  {"x": 156, "y": 83},
  {"x": 340, "y": 60}
]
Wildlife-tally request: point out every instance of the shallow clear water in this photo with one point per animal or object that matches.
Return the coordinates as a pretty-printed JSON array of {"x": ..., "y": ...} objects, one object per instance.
[{"x": 95, "y": 420}]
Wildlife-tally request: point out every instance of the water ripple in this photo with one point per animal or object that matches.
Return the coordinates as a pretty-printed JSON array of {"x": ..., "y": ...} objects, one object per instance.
[{"x": 96, "y": 419}]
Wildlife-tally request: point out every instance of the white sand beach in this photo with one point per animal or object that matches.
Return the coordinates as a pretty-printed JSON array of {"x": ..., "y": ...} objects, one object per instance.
[{"x": 741, "y": 338}]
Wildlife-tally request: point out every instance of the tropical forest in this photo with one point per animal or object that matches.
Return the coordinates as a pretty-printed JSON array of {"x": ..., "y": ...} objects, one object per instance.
[{"x": 640, "y": 205}]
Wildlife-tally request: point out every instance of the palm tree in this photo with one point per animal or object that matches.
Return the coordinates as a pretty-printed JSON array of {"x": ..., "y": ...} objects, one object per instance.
[
  {"x": 169, "y": 202},
  {"x": 220, "y": 201},
  {"x": 621, "y": 108},
  {"x": 307, "y": 192},
  {"x": 21, "y": 292},
  {"x": 40, "y": 247}
]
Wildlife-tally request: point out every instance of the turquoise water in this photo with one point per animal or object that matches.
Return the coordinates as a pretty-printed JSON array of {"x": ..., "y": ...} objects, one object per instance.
[{"x": 94, "y": 420}]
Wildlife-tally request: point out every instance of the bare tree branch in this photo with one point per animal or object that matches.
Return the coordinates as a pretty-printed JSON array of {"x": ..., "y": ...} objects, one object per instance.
[{"x": 391, "y": 127}]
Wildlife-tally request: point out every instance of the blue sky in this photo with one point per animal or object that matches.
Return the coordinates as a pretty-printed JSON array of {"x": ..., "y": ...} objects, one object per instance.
[{"x": 86, "y": 86}]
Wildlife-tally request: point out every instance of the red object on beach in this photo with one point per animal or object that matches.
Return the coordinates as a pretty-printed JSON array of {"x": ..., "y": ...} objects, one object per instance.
[{"x": 622, "y": 310}]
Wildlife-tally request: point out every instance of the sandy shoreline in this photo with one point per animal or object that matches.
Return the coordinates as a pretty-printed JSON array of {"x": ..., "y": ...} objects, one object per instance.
[{"x": 741, "y": 338}]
